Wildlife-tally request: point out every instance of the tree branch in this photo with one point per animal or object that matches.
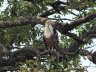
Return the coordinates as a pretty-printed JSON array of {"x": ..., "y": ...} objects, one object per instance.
[
  {"x": 21, "y": 21},
  {"x": 68, "y": 27},
  {"x": 61, "y": 27}
]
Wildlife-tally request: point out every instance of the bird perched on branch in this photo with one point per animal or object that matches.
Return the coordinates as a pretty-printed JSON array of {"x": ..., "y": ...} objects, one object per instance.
[{"x": 50, "y": 36}]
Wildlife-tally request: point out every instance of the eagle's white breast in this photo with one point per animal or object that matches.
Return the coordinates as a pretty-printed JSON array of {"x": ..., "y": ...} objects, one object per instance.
[{"x": 48, "y": 30}]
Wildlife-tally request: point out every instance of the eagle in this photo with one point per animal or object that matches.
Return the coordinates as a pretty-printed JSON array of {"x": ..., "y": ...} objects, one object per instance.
[{"x": 50, "y": 36}]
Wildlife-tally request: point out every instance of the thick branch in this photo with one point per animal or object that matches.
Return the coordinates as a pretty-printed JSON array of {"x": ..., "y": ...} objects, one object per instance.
[
  {"x": 21, "y": 21},
  {"x": 63, "y": 28},
  {"x": 67, "y": 27},
  {"x": 32, "y": 53}
]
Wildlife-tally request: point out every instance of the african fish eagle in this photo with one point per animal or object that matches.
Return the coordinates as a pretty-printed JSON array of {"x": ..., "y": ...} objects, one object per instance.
[{"x": 50, "y": 36}]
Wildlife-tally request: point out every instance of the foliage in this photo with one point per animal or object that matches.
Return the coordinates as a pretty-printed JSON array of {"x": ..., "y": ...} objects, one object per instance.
[{"x": 32, "y": 35}]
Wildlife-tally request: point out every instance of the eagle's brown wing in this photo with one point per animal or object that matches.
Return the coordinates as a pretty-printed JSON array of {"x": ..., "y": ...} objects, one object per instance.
[
  {"x": 52, "y": 41},
  {"x": 56, "y": 39},
  {"x": 49, "y": 42},
  {"x": 44, "y": 39}
]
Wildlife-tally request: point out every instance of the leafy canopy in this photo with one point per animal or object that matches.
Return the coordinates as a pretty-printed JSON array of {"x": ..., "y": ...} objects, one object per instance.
[{"x": 30, "y": 35}]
